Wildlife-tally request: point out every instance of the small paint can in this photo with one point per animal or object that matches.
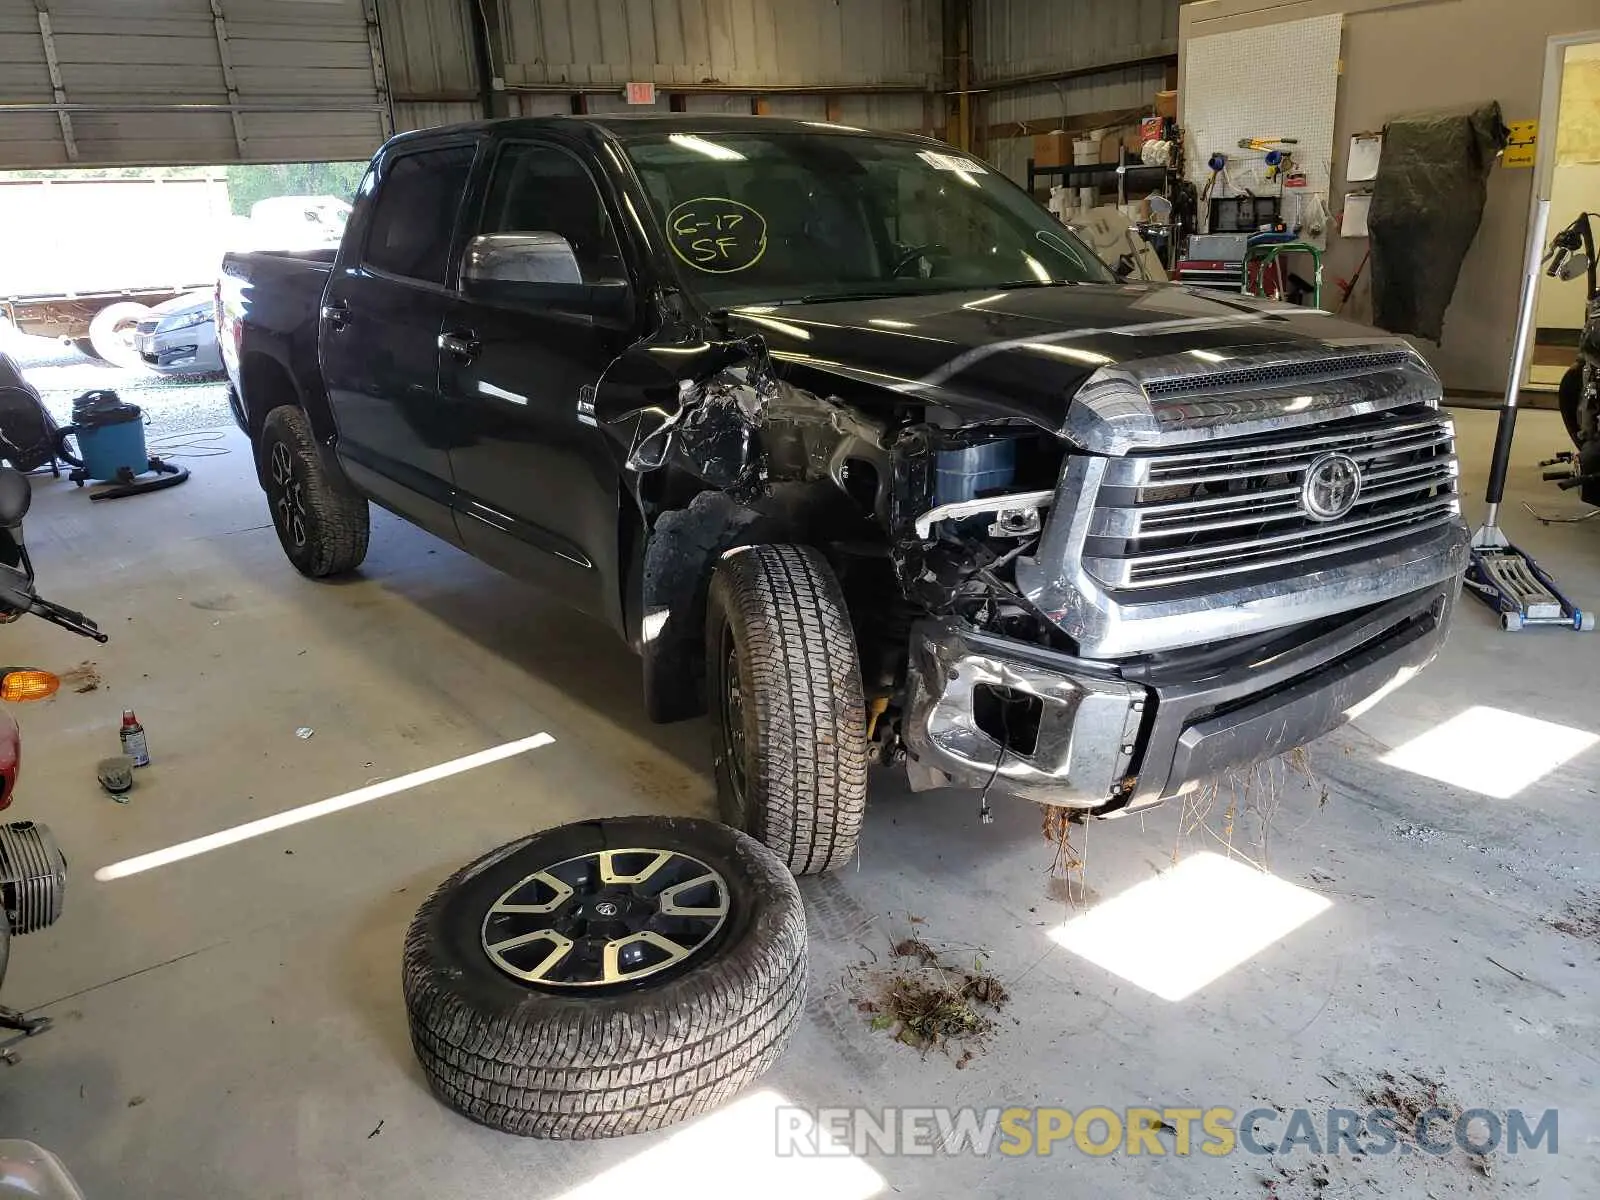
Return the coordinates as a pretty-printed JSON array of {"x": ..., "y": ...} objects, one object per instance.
[{"x": 133, "y": 740}]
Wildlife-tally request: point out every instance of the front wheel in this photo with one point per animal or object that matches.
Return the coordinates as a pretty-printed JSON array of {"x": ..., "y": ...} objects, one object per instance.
[
  {"x": 322, "y": 523},
  {"x": 786, "y": 694}
]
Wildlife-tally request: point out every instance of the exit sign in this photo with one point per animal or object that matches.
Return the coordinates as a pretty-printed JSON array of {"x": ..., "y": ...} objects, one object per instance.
[{"x": 640, "y": 93}]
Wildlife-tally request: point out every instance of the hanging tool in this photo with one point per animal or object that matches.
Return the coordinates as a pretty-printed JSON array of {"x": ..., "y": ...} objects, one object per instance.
[
  {"x": 1266, "y": 143},
  {"x": 1505, "y": 578}
]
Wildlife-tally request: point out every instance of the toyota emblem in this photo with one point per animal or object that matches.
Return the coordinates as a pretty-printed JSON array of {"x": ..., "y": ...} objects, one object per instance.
[
  {"x": 1332, "y": 486},
  {"x": 606, "y": 908}
]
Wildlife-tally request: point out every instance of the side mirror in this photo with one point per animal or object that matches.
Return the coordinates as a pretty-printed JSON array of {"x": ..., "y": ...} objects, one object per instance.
[
  {"x": 16, "y": 494},
  {"x": 520, "y": 258},
  {"x": 1575, "y": 265},
  {"x": 540, "y": 270}
]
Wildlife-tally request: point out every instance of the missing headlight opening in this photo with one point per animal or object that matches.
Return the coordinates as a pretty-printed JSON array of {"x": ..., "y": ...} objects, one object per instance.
[{"x": 1008, "y": 715}]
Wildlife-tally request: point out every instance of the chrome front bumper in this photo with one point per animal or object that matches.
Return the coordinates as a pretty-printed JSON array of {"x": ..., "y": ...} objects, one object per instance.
[{"x": 1120, "y": 738}]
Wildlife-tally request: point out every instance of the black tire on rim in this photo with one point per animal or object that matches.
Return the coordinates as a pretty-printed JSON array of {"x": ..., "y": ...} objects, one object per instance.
[
  {"x": 785, "y": 688},
  {"x": 516, "y": 1031},
  {"x": 322, "y": 525},
  {"x": 1570, "y": 399}
]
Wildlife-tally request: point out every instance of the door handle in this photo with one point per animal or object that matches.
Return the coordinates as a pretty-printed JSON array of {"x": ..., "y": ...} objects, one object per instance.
[
  {"x": 462, "y": 345},
  {"x": 336, "y": 314}
]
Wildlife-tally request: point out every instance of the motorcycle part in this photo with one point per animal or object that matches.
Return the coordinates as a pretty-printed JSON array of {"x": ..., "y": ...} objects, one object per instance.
[
  {"x": 21, "y": 684},
  {"x": 1505, "y": 578},
  {"x": 786, "y": 693},
  {"x": 33, "y": 876},
  {"x": 116, "y": 775},
  {"x": 322, "y": 525},
  {"x": 32, "y": 1171},
  {"x": 606, "y": 977}
]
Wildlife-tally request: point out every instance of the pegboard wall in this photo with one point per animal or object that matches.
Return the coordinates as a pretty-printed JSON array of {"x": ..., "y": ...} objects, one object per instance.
[{"x": 1273, "y": 81}]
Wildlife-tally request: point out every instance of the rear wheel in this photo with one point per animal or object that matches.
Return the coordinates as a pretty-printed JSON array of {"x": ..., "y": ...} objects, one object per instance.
[
  {"x": 786, "y": 695},
  {"x": 322, "y": 524},
  {"x": 111, "y": 333}
]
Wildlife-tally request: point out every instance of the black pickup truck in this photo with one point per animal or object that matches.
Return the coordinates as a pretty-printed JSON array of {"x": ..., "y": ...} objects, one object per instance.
[{"x": 861, "y": 451}]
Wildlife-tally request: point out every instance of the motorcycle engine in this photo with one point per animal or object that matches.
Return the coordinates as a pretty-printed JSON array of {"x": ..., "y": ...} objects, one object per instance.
[{"x": 33, "y": 875}]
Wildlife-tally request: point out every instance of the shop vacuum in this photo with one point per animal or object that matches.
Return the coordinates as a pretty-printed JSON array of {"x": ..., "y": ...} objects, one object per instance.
[{"x": 111, "y": 449}]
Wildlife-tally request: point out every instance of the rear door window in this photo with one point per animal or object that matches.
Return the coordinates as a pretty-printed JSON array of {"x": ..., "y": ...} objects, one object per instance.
[{"x": 414, "y": 221}]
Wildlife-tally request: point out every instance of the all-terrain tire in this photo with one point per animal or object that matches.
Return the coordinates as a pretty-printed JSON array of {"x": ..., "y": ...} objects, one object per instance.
[
  {"x": 323, "y": 525},
  {"x": 559, "y": 1063},
  {"x": 791, "y": 728}
]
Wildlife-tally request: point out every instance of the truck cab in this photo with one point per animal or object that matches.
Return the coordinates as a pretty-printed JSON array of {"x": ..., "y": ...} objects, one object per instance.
[{"x": 864, "y": 454}]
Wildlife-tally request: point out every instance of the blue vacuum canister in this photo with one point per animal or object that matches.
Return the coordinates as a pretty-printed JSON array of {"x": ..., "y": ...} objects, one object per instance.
[{"x": 111, "y": 449}]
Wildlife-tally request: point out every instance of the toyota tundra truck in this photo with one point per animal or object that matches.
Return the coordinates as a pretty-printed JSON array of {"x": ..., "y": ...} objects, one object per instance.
[{"x": 863, "y": 454}]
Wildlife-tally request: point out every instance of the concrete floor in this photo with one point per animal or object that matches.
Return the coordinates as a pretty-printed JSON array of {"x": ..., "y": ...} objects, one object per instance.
[{"x": 231, "y": 1025}]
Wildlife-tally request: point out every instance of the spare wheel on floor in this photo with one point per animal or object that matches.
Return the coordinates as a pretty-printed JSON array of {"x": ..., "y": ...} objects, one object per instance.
[{"x": 606, "y": 977}]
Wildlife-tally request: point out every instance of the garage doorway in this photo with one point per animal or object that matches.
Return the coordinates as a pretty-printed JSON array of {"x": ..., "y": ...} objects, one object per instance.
[{"x": 1569, "y": 175}]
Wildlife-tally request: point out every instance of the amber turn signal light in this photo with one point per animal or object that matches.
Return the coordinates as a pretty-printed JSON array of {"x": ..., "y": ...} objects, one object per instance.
[{"x": 28, "y": 685}]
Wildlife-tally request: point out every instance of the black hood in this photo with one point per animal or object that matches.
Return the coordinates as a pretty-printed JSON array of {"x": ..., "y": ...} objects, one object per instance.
[{"x": 1023, "y": 353}]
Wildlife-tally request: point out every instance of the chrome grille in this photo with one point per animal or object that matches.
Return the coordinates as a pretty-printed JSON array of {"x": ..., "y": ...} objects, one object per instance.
[{"x": 1225, "y": 510}]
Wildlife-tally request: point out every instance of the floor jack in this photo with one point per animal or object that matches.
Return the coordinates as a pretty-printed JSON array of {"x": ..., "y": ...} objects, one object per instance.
[{"x": 1505, "y": 578}]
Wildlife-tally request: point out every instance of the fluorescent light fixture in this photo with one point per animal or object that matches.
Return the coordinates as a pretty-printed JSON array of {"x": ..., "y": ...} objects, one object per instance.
[
  {"x": 732, "y": 1154},
  {"x": 1088, "y": 357},
  {"x": 1035, "y": 266},
  {"x": 832, "y": 125},
  {"x": 886, "y": 323},
  {"x": 309, "y": 812},
  {"x": 1490, "y": 751},
  {"x": 1190, "y": 925},
  {"x": 701, "y": 146},
  {"x": 798, "y": 331},
  {"x": 1208, "y": 356}
]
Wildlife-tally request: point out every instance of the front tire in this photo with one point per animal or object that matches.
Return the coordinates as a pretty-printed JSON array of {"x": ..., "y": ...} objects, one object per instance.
[
  {"x": 323, "y": 525},
  {"x": 786, "y": 696},
  {"x": 517, "y": 1029}
]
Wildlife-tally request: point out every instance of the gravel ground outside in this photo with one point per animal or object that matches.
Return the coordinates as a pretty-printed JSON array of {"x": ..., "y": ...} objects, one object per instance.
[{"x": 171, "y": 405}]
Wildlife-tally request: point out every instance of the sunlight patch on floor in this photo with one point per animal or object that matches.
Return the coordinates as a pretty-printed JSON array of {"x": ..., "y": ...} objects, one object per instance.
[
  {"x": 732, "y": 1155},
  {"x": 1190, "y": 925},
  {"x": 1490, "y": 751}
]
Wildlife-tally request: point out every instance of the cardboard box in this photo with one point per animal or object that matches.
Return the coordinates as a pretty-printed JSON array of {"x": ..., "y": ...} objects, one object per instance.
[
  {"x": 1167, "y": 104},
  {"x": 1052, "y": 149},
  {"x": 1111, "y": 148}
]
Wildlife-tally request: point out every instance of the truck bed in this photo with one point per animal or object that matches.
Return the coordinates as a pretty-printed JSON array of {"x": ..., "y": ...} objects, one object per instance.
[{"x": 267, "y": 302}]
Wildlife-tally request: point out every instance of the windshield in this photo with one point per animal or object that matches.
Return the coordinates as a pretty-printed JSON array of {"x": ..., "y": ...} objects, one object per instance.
[{"x": 758, "y": 217}]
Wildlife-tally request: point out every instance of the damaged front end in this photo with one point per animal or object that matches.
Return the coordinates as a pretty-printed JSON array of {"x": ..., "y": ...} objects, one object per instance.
[{"x": 1096, "y": 617}]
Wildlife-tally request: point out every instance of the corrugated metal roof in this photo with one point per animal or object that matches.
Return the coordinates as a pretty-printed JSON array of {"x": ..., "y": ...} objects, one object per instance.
[
  {"x": 734, "y": 42},
  {"x": 1024, "y": 37}
]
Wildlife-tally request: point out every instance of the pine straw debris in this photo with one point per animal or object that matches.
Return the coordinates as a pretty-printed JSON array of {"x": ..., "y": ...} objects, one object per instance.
[{"x": 928, "y": 1004}]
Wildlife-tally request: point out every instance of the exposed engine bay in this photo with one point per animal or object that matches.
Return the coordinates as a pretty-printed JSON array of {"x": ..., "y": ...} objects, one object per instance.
[{"x": 1018, "y": 601}]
